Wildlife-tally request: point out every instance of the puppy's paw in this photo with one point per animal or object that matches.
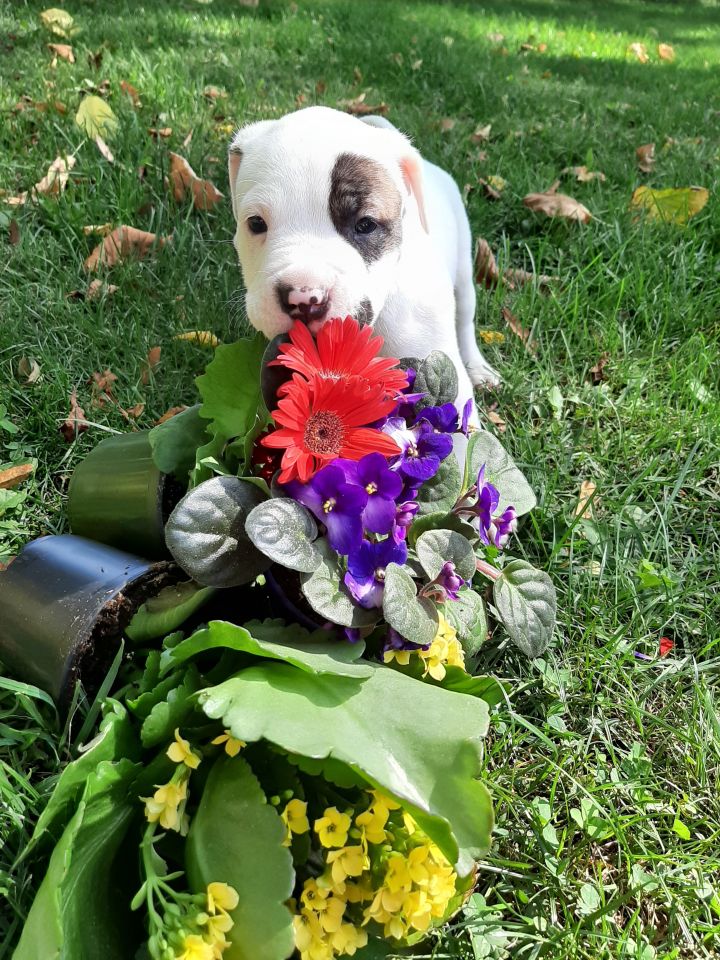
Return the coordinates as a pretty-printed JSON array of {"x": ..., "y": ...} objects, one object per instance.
[{"x": 482, "y": 374}]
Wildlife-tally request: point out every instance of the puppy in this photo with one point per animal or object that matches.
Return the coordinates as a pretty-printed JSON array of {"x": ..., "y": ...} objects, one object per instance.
[{"x": 339, "y": 216}]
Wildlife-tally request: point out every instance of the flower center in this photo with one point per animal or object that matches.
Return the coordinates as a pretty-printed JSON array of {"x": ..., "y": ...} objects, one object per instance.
[
  {"x": 412, "y": 451},
  {"x": 329, "y": 504},
  {"x": 372, "y": 487},
  {"x": 380, "y": 574},
  {"x": 324, "y": 433}
]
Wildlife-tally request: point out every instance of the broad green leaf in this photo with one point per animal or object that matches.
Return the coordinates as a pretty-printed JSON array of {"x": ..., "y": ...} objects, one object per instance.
[
  {"x": 81, "y": 907},
  {"x": 440, "y": 521},
  {"x": 500, "y": 470},
  {"x": 236, "y": 838},
  {"x": 171, "y": 712},
  {"x": 58, "y": 21},
  {"x": 174, "y": 443},
  {"x": 436, "y": 547},
  {"x": 436, "y": 377},
  {"x": 284, "y": 530},
  {"x": 441, "y": 492},
  {"x": 674, "y": 205},
  {"x": 467, "y": 615},
  {"x": 96, "y": 117},
  {"x": 417, "y": 741},
  {"x": 457, "y": 680},
  {"x": 413, "y": 617},
  {"x": 164, "y": 613},
  {"x": 325, "y": 592},
  {"x": 275, "y": 640},
  {"x": 525, "y": 599}
]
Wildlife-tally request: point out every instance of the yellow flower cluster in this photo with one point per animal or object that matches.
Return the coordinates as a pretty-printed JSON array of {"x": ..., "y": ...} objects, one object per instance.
[
  {"x": 444, "y": 651},
  {"x": 196, "y": 931},
  {"x": 381, "y": 868}
]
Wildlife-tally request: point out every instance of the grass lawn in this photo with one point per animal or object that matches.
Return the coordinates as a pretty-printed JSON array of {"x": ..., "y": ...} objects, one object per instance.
[{"x": 604, "y": 766}]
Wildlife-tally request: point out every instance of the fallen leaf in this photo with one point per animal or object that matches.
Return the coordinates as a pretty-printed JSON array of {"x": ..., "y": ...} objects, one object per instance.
[
  {"x": 204, "y": 193},
  {"x": 639, "y": 50},
  {"x": 95, "y": 59},
  {"x": 519, "y": 330},
  {"x": 96, "y": 117},
  {"x": 214, "y": 93},
  {"x": 169, "y": 414},
  {"x": 598, "y": 371},
  {"x": 674, "y": 205},
  {"x": 130, "y": 90},
  {"x": 584, "y": 508},
  {"x": 497, "y": 421},
  {"x": 358, "y": 107},
  {"x": 132, "y": 413},
  {"x": 357, "y": 76},
  {"x": 646, "y": 157},
  {"x": 98, "y": 288},
  {"x": 556, "y": 401},
  {"x": 416, "y": 64},
  {"x": 491, "y": 336},
  {"x": 98, "y": 229},
  {"x": 102, "y": 385},
  {"x": 13, "y": 233},
  {"x": 17, "y": 201},
  {"x": 666, "y": 52},
  {"x": 496, "y": 37},
  {"x": 492, "y": 187},
  {"x": 62, "y": 50},
  {"x": 554, "y": 204},
  {"x": 28, "y": 370},
  {"x": 320, "y": 88},
  {"x": 75, "y": 421},
  {"x": 583, "y": 175},
  {"x": 149, "y": 364},
  {"x": 56, "y": 178},
  {"x": 202, "y": 337},
  {"x": 58, "y": 21},
  {"x": 487, "y": 272},
  {"x": 121, "y": 243},
  {"x": 481, "y": 134},
  {"x": 163, "y": 132},
  {"x": 188, "y": 138},
  {"x": 104, "y": 149},
  {"x": 15, "y": 475},
  {"x": 446, "y": 124}
]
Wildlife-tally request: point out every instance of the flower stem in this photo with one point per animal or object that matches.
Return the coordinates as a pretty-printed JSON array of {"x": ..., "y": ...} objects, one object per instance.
[{"x": 487, "y": 570}]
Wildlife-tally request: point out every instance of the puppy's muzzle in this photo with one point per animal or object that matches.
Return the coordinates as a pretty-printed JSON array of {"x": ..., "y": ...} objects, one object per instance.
[{"x": 308, "y": 304}]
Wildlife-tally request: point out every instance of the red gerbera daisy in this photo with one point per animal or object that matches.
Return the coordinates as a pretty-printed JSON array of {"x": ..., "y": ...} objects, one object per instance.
[
  {"x": 343, "y": 349},
  {"x": 321, "y": 419}
]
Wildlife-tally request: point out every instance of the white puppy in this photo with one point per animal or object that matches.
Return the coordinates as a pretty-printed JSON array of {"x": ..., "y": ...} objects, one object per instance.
[{"x": 339, "y": 216}]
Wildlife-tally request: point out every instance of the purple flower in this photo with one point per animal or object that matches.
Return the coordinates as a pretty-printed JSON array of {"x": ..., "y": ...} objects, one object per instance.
[
  {"x": 444, "y": 419},
  {"x": 422, "y": 448},
  {"x": 466, "y": 414},
  {"x": 503, "y": 527},
  {"x": 396, "y": 641},
  {"x": 404, "y": 516},
  {"x": 365, "y": 578},
  {"x": 337, "y": 503},
  {"x": 382, "y": 485},
  {"x": 493, "y": 530},
  {"x": 449, "y": 580},
  {"x": 352, "y": 634}
]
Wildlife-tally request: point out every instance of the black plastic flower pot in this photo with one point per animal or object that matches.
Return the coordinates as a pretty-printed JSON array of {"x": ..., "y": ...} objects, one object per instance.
[
  {"x": 118, "y": 496},
  {"x": 64, "y": 603}
]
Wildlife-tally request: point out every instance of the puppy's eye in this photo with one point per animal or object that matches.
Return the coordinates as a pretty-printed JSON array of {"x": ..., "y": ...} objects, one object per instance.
[
  {"x": 366, "y": 225},
  {"x": 256, "y": 225}
]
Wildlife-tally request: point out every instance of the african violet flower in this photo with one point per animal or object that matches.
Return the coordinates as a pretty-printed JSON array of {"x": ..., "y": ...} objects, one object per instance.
[
  {"x": 444, "y": 419},
  {"x": 406, "y": 512},
  {"x": 382, "y": 486},
  {"x": 422, "y": 448},
  {"x": 449, "y": 580},
  {"x": 337, "y": 503},
  {"x": 493, "y": 530},
  {"x": 365, "y": 578}
]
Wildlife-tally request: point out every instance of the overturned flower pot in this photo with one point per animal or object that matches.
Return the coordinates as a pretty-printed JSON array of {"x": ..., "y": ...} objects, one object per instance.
[
  {"x": 118, "y": 496},
  {"x": 65, "y": 602}
]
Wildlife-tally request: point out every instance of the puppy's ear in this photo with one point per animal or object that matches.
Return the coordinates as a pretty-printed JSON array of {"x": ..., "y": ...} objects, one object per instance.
[
  {"x": 411, "y": 167},
  {"x": 238, "y": 145}
]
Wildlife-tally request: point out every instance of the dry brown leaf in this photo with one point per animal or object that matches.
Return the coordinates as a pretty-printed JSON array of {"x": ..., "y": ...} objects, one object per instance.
[
  {"x": 554, "y": 204},
  {"x": 95, "y": 59},
  {"x": 188, "y": 138},
  {"x": 519, "y": 330},
  {"x": 122, "y": 243},
  {"x": 98, "y": 288},
  {"x": 497, "y": 421},
  {"x": 130, "y": 90},
  {"x": 163, "y": 132},
  {"x": 202, "y": 337},
  {"x": 62, "y": 50},
  {"x": 446, "y": 124},
  {"x": 149, "y": 364},
  {"x": 488, "y": 274},
  {"x": 56, "y": 178},
  {"x": 492, "y": 187},
  {"x": 99, "y": 229},
  {"x": 583, "y": 175},
  {"x": 169, "y": 414},
  {"x": 182, "y": 176},
  {"x": 584, "y": 509},
  {"x": 102, "y": 385},
  {"x": 28, "y": 370},
  {"x": 132, "y": 413},
  {"x": 639, "y": 50},
  {"x": 214, "y": 93},
  {"x": 358, "y": 107},
  {"x": 18, "y": 201},
  {"x": 104, "y": 149},
  {"x": 15, "y": 475},
  {"x": 14, "y": 233},
  {"x": 598, "y": 371},
  {"x": 646, "y": 157},
  {"x": 75, "y": 421},
  {"x": 666, "y": 52},
  {"x": 481, "y": 134}
]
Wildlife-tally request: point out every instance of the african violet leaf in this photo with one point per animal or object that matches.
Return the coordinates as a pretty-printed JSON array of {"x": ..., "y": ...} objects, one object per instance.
[
  {"x": 467, "y": 615},
  {"x": 175, "y": 442},
  {"x": 413, "y": 617},
  {"x": 526, "y": 601},
  {"x": 500, "y": 470},
  {"x": 440, "y": 521},
  {"x": 275, "y": 640},
  {"x": 284, "y": 530},
  {"x": 417, "y": 741},
  {"x": 437, "y": 378},
  {"x": 325, "y": 592},
  {"x": 163, "y": 613},
  {"x": 436, "y": 547},
  {"x": 236, "y": 837},
  {"x": 440, "y": 493},
  {"x": 78, "y": 910},
  {"x": 206, "y": 535}
]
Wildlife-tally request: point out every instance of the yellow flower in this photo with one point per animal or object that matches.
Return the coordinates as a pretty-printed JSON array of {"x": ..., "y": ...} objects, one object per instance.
[
  {"x": 217, "y": 926},
  {"x": 394, "y": 927},
  {"x": 309, "y": 938},
  {"x": 382, "y": 799},
  {"x": 294, "y": 817},
  {"x": 417, "y": 864},
  {"x": 358, "y": 892},
  {"x": 348, "y": 939},
  {"x": 180, "y": 752},
  {"x": 331, "y": 914},
  {"x": 418, "y": 910},
  {"x": 397, "y": 876},
  {"x": 164, "y": 803},
  {"x": 491, "y": 336},
  {"x": 195, "y": 948},
  {"x": 372, "y": 822},
  {"x": 332, "y": 829},
  {"x": 221, "y": 896},
  {"x": 445, "y": 649},
  {"x": 401, "y": 656},
  {"x": 233, "y": 746},
  {"x": 348, "y": 862}
]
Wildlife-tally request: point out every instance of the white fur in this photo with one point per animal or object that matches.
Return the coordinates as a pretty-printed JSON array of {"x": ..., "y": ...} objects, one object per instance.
[{"x": 422, "y": 295}]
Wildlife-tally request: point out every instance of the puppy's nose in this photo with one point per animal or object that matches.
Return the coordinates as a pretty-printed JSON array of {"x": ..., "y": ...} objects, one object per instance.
[{"x": 304, "y": 303}]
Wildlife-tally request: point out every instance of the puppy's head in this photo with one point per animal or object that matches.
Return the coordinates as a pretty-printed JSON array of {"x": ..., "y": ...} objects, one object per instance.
[{"x": 320, "y": 200}]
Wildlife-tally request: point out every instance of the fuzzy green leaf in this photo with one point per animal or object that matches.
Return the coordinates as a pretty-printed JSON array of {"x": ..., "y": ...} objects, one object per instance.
[
  {"x": 436, "y": 547},
  {"x": 500, "y": 470},
  {"x": 467, "y": 615},
  {"x": 440, "y": 521},
  {"x": 525, "y": 599},
  {"x": 413, "y": 617},
  {"x": 437, "y": 378},
  {"x": 441, "y": 492},
  {"x": 284, "y": 530}
]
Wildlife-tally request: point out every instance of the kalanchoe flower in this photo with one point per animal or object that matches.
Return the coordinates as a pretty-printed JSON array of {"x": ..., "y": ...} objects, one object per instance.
[
  {"x": 405, "y": 514},
  {"x": 337, "y": 503},
  {"x": 449, "y": 580},
  {"x": 444, "y": 419},
  {"x": 365, "y": 578},
  {"x": 422, "y": 449},
  {"x": 493, "y": 530},
  {"x": 397, "y": 648}
]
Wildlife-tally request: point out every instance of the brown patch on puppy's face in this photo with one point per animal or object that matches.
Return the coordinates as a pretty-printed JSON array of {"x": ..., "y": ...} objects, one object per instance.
[{"x": 365, "y": 206}]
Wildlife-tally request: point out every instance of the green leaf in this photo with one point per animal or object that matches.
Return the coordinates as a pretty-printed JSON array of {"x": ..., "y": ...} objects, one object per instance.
[
  {"x": 417, "y": 741},
  {"x": 325, "y": 592},
  {"x": 500, "y": 470},
  {"x": 414, "y": 618},
  {"x": 440, "y": 493},
  {"x": 436, "y": 377},
  {"x": 174, "y": 443},
  {"x": 165, "y": 612},
  {"x": 456, "y": 679},
  {"x": 681, "y": 829},
  {"x": 436, "y": 547},
  {"x": 467, "y": 615},
  {"x": 80, "y": 908},
  {"x": 236, "y": 838},
  {"x": 284, "y": 530},
  {"x": 206, "y": 534},
  {"x": 440, "y": 521},
  {"x": 171, "y": 712},
  {"x": 96, "y": 117},
  {"x": 275, "y": 640},
  {"x": 525, "y": 599}
]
